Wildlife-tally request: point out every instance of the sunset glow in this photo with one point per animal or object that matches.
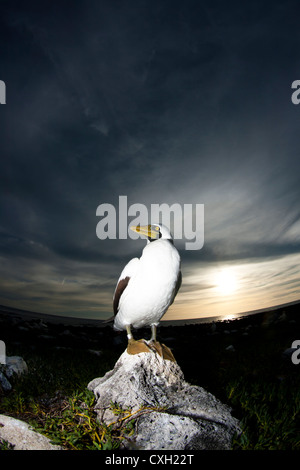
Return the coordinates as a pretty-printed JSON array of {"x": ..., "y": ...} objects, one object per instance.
[{"x": 226, "y": 282}]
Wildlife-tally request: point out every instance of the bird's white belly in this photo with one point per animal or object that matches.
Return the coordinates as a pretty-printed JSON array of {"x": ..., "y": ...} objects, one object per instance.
[{"x": 150, "y": 292}]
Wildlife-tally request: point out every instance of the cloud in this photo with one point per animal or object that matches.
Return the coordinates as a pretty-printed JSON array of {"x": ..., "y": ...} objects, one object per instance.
[{"x": 164, "y": 103}]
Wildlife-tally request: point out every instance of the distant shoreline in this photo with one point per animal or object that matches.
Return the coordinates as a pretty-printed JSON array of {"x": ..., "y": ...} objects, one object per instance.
[
  {"x": 56, "y": 319},
  {"x": 235, "y": 316},
  {"x": 65, "y": 320}
]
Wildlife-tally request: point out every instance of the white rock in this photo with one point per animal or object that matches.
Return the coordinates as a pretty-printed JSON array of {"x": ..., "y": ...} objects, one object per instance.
[{"x": 22, "y": 436}]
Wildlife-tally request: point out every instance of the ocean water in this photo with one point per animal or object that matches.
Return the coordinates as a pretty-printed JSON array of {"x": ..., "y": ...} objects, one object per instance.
[{"x": 235, "y": 316}]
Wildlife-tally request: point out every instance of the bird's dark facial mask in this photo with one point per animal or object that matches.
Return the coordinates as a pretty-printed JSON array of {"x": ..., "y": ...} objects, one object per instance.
[{"x": 152, "y": 232}]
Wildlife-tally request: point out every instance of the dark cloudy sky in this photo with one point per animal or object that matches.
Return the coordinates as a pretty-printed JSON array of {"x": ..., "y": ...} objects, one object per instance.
[{"x": 164, "y": 102}]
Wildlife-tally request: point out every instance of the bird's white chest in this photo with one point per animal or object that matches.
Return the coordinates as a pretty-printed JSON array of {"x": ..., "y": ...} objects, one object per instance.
[
  {"x": 151, "y": 288},
  {"x": 159, "y": 265}
]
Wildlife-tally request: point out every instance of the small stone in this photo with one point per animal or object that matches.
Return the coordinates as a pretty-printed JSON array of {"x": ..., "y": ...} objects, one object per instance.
[
  {"x": 96, "y": 352},
  {"x": 4, "y": 383},
  {"x": 15, "y": 365}
]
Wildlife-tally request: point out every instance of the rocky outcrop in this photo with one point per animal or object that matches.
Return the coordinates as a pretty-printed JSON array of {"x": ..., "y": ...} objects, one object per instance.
[{"x": 169, "y": 413}]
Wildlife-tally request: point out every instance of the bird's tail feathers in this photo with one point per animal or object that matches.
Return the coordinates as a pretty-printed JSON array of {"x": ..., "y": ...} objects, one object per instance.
[{"x": 109, "y": 320}]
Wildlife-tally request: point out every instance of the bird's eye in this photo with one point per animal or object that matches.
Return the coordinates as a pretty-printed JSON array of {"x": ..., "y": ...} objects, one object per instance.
[{"x": 157, "y": 228}]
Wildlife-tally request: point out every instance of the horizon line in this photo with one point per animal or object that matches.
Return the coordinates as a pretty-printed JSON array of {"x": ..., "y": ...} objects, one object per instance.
[{"x": 100, "y": 320}]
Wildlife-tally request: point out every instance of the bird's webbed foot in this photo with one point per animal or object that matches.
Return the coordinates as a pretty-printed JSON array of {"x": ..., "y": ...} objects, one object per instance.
[
  {"x": 135, "y": 346},
  {"x": 152, "y": 346},
  {"x": 162, "y": 350}
]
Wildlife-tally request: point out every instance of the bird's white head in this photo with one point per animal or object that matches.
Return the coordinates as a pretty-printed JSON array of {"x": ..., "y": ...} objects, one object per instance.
[{"x": 153, "y": 231}]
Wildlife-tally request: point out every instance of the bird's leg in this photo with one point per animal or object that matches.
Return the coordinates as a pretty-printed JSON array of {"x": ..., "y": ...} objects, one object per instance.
[
  {"x": 135, "y": 347},
  {"x": 156, "y": 346},
  {"x": 153, "y": 343},
  {"x": 153, "y": 330},
  {"x": 129, "y": 334}
]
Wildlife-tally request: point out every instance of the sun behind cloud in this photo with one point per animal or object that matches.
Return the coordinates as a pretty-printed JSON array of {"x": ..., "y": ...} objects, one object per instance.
[{"x": 226, "y": 282}]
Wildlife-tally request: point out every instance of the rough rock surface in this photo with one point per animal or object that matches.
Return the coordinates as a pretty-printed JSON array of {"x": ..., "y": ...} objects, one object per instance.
[
  {"x": 14, "y": 366},
  {"x": 4, "y": 383},
  {"x": 21, "y": 436},
  {"x": 178, "y": 416}
]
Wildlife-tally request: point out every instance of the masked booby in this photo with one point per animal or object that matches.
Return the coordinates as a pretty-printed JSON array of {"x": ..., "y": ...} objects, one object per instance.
[{"x": 147, "y": 287}]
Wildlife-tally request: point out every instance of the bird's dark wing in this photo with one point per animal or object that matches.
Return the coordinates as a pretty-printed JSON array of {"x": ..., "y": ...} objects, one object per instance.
[
  {"x": 122, "y": 284},
  {"x": 129, "y": 271}
]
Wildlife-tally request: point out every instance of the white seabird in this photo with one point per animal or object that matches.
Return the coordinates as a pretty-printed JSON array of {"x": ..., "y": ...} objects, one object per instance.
[{"x": 147, "y": 285}]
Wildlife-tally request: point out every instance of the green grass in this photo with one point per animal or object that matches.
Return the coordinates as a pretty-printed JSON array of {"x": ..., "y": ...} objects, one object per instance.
[
  {"x": 260, "y": 385},
  {"x": 264, "y": 389},
  {"x": 53, "y": 398},
  {"x": 4, "y": 445},
  {"x": 270, "y": 415},
  {"x": 74, "y": 425}
]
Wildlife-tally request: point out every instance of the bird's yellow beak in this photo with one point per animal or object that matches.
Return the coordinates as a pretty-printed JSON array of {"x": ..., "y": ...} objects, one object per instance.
[{"x": 149, "y": 231}]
